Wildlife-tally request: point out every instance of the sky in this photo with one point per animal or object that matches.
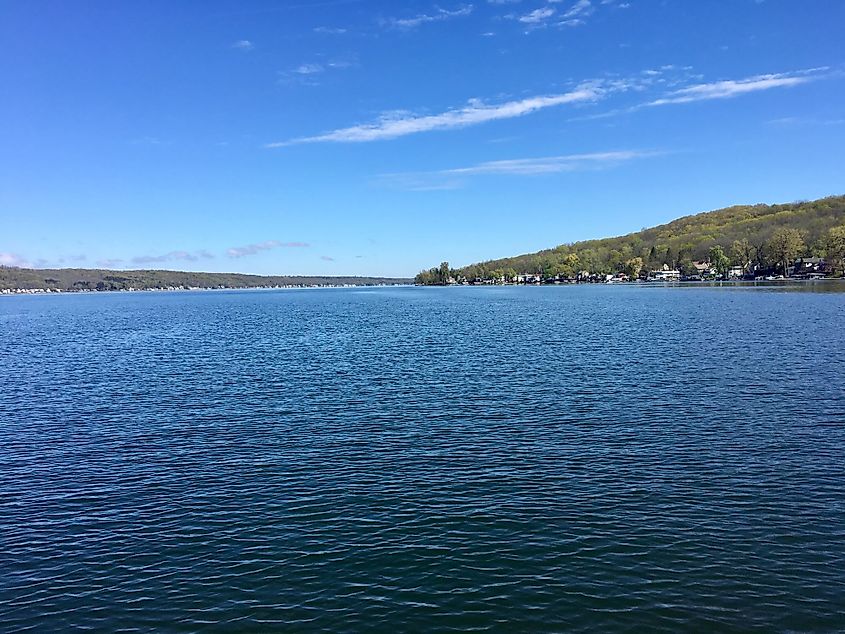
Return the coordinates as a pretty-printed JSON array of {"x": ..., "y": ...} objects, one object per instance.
[{"x": 357, "y": 137}]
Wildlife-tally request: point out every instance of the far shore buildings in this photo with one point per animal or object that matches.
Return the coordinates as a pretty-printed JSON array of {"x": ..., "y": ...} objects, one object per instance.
[
  {"x": 702, "y": 270},
  {"x": 665, "y": 275}
]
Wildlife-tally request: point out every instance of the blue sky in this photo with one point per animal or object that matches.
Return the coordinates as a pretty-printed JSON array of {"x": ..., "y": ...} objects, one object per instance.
[{"x": 379, "y": 138}]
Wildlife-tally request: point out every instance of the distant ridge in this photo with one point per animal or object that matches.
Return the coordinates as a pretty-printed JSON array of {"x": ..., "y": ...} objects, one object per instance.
[
  {"x": 12, "y": 278},
  {"x": 686, "y": 239}
]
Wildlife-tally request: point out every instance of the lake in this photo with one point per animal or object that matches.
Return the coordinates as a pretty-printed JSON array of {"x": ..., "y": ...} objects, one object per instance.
[{"x": 580, "y": 458}]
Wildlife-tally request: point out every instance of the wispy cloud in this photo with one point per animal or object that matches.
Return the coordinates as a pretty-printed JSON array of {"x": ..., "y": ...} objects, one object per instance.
[
  {"x": 551, "y": 164},
  {"x": 309, "y": 69},
  {"x": 252, "y": 249},
  {"x": 580, "y": 8},
  {"x": 307, "y": 72},
  {"x": 577, "y": 13},
  {"x": 424, "y": 18},
  {"x": 14, "y": 260},
  {"x": 549, "y": 15},
  {"x": 728, "y": 88},
  {"x": 706, "y": 91},
  {"x": 243, "y": 45},
  {"x": 454, "y": 178},
  {"x": 172, "y": 256},
  {"x": 328, "y": 30},
  {"x": 148, "y": 140},
  {"x": 537, "y": 16},
  {"x": 394, "y": 125},
  {"x": 804, "y": 121},
  {"x": 327, "y": 258},
  {"x": 109, "y": 263}
]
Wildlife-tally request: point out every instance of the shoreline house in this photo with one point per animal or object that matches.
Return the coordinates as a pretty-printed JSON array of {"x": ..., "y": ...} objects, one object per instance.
[
  {"x": 665, "y": 275},
  {"x": 704, "y": 269},
  {"x": 807, "y": 267},
  {"x": 529, "y": 279}
]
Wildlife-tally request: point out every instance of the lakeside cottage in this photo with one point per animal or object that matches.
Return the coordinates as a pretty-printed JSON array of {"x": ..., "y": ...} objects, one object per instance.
[
  {"x": 807, "y": 266},
  {"x": 704, "y": 268},
  {"x": 666, "y": 275}
]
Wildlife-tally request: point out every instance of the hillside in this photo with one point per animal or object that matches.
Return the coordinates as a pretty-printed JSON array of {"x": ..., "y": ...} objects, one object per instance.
[
  {"x": 106, "y": 280},
  {"x": 679, "y": 242}
]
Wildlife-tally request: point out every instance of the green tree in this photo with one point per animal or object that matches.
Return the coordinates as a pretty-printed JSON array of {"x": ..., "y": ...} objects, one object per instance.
[
  {"x": 785, "y": 245},
  {"x": 836, "y": 249},
  {"x": 686, "y": 267},
  {"x": 444, "y": 273},
  {"x": 742, "y": 253},
  {"x": 633, "y": 268},
  {"x": 719, "y": 260},
  {"x": 690, "y": 238}
]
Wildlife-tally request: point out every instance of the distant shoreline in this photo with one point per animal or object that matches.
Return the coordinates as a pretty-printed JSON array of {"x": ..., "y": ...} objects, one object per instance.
[
  {"x": 637, "y": 284},
  {"x": 41, "y": 291},
  {"x": 645, "y": 283},
  {"x": 27, "y": 281}
]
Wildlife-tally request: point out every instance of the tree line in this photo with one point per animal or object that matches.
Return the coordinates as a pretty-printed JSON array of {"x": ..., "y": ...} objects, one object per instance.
[
  {"x": 107, "y": 280},
  {"x": 755, "y": 238}
]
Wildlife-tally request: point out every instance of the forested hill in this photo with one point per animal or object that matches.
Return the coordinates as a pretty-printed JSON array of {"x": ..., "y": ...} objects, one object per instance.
[
  {"x": 683, "y": 240},
  {"x": 106, "y": 280}
]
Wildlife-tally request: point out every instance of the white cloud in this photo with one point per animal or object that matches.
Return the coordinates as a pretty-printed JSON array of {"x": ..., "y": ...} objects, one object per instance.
[
  {"x": 14, "y": 260},
  {"x": 453, "y": 178},
  {"x": 803, "y": 121},
  {"x": 172, "y": 256},
  {"x": 537, "y": 16},
  {"x": 394, "y": 125},
  {"x": 705, "y": 91},
  {"x": 308, "y": 72},
  {"x": 252, "y": 249},
  {"x": 550, "y": 164},
  {"x": 580, "y": 8},
  {"x": 734, "y": 87},
  {"x": 327, "y": 30},
  {"x": 548, "y": 15},
  {"x": 308, "y": 69},
  {"x": 243, "y": 45},
  {"x": 109, "y": 263},
  {"x": 424, "y": 18}
]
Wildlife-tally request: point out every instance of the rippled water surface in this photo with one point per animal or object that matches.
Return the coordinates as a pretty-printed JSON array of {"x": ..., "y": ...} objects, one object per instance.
[{"x": 508, "y": 459}]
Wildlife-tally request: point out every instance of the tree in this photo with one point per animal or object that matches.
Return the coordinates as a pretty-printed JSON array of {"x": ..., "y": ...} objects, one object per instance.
[
  {"x": 785, "y": 245},
  {"x": 688, "y": 268},
  {"x": 719, "y": 260},
  {"x": 836, "y": 249},
  {"x": 444, "y": 272},
  {"x": 742, "y": 253},
  {"x": 633, "y": 268},
  {"x": 568, "y": 266},
  {"x": 652, "y": 256},
  {"x": 688, "y": 239}
]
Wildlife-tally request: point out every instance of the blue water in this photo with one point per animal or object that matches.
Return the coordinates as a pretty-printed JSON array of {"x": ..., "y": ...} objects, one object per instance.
[{"x": 505, "y": 459}]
